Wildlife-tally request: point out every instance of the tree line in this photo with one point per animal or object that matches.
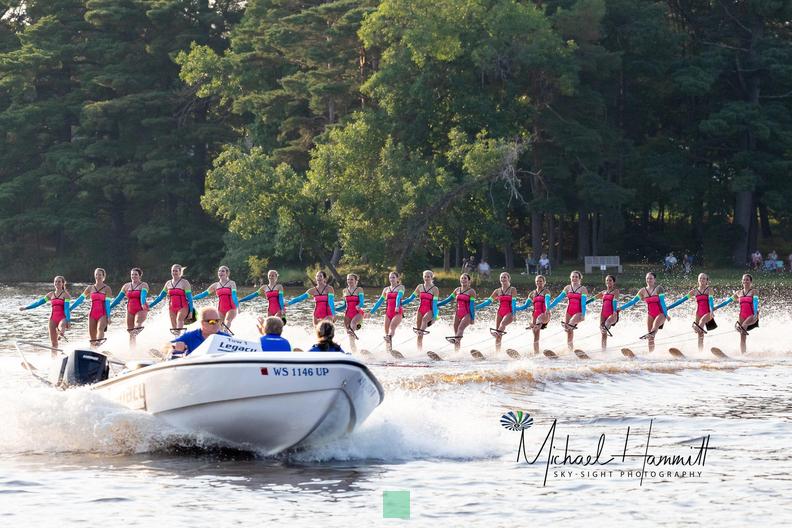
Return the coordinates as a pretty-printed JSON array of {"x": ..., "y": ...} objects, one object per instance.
[{"x": 390, "y": 133}]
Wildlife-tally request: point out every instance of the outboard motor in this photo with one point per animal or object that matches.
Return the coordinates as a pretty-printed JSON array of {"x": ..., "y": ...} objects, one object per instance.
[{"x": 83, "y": 367}]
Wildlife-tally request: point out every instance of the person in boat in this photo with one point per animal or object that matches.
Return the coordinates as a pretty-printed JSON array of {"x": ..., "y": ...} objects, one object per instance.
[
  {"x": 186, "y": 343},
  {"x": 271, "y": 338},
  {"x": 180, "y": 299},
  {"x": 609, "y": 315},
  {"x": 325, "y": 331},
  {"x": 60, "y": 315},
  {"x": 539, "y": 299},
  {"x": 465, "y": 313},
  {"x": 99, "y": 316},
  {"x": 748, "y": 318},
  {"x": 427, "y": 294},
  {"x": 392, "y": 297},
  {"x": 656, "y": 310},
  {"x": 352, "y": 308},
  {"x": 273, "y": 291},
  {"x": 226, "y": 291},
  {"x": 323, "y": 296},
  {"x": 506, "y": 297},
  {"x": 136, "y": 292},
  {"x": 575, "y": 293}
]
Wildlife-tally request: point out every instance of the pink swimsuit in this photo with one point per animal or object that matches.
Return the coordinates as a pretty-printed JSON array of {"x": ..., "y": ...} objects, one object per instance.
[
  {"x": 538, "y": 305},
  {"x": 322, "y": 307},
  {"x": 98, "y": 305},
  {"x": 607, "y": 306},
  {"x": 273, "y": 302},
  {"x": 574, "y": 304},
  {"x": 505, "y": 306},
  {"x": 702, "y": 304},
  {"x": 352, "y": 309},
  {"x": 463, "y": 305},
  {"x": 225, "y": 303},
  {"x": 426, "y": 303},
  {"x": 177, "y": 298},
  {"x": 133, "y": 301},
  {"x": 390, "y": 305},
  {"x": 746, "y": 307},
  {"x": 653, "y": 304},
  {"x": 58, "y": 309}
]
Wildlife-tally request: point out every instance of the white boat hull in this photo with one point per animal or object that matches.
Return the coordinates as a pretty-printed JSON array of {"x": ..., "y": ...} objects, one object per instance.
[{"x": 267, "y": 401}]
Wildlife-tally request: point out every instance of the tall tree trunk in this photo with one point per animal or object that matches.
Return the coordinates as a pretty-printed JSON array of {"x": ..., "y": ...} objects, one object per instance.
[
  {"x": 698, "y": 225},
  {"x": 583, "y": 235},
  {"x": 595, "y": 229},
  {"x": 458, "y": 253},
  {"x": 742, "y": 218},
  {"x": 446, "y": 258},
  {"x": 336, "y": 256},
  {"x": 327, "y": 262},
  {"x": 753, "y": 231},
  {"x": 508, "y": 255},
  {"x": 537, "y": 224},
  {"x": 744, "y": 208},
  {"x": 764, "y": 221},
  {"x": 645, "y": 213},
  {"x": 552, "y": 250},
  {"x": 119, "y": 232}
]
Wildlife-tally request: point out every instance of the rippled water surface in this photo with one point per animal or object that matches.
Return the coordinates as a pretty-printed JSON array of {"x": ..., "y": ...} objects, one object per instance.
[{"x": 71, "y": 458}]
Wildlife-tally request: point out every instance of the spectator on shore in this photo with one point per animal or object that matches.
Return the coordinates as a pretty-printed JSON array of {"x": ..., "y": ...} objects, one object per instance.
[
  {"x": 271, "y": 339},
  {"x": 670, "y": 261},
  {"x": 484, "y": 269},
  {"x": 530, "y": 263},
  {"x": 687, "y": 263},
  {"x": 544, "y": 264},
  {"x": 756, "y": 260},
  {"x": 467, "y": 265},
  {"x": 772, "y": 261}
]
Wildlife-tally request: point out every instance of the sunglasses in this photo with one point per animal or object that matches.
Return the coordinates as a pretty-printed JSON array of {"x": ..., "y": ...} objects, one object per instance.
[{"x": 212, "y": 321}]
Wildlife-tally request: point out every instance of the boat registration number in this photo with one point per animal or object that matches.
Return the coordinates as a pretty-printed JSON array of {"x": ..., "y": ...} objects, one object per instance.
[{"x": 300, "y": 372}]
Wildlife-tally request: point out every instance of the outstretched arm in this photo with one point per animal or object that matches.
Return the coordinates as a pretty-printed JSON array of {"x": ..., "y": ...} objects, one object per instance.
[
  {"x": 298, "y": 299},
  {"x": 446, "y": 300},
  {"x": 35, "y": 304},
  {"x": 554, "y": 302},
  {"x": 679, "y": 301},
  {"x": 159, "y": 297},
  {"x": 250, "y": 296},
  {"x": 629, "y": 304}
]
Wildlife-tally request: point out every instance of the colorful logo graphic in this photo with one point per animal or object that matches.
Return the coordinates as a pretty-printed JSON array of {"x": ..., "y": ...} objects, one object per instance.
[{"x": 516, "y": 420}]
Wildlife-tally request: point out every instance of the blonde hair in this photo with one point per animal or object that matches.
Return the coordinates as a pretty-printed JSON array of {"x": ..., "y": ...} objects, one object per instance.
[{"x": 273, "y": 325}]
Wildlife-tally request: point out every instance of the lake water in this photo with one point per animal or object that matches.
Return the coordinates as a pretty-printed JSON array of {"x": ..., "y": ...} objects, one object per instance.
[{"x": 70, "y": 458}]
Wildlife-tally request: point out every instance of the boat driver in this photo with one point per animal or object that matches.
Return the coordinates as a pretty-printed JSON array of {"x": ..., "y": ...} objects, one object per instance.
[{"x": 186, "y": 343}]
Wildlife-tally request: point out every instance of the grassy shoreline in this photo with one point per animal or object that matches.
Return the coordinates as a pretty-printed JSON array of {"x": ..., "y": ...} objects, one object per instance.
[{"x": 631, "y": 278}]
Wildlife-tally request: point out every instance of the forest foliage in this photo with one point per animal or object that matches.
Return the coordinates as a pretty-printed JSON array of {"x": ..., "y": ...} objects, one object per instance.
[{"x": 391, "y": 133}]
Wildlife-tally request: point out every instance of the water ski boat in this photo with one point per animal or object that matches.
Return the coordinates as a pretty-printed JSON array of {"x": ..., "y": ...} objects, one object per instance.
[{"x": 232, "y": 390}]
